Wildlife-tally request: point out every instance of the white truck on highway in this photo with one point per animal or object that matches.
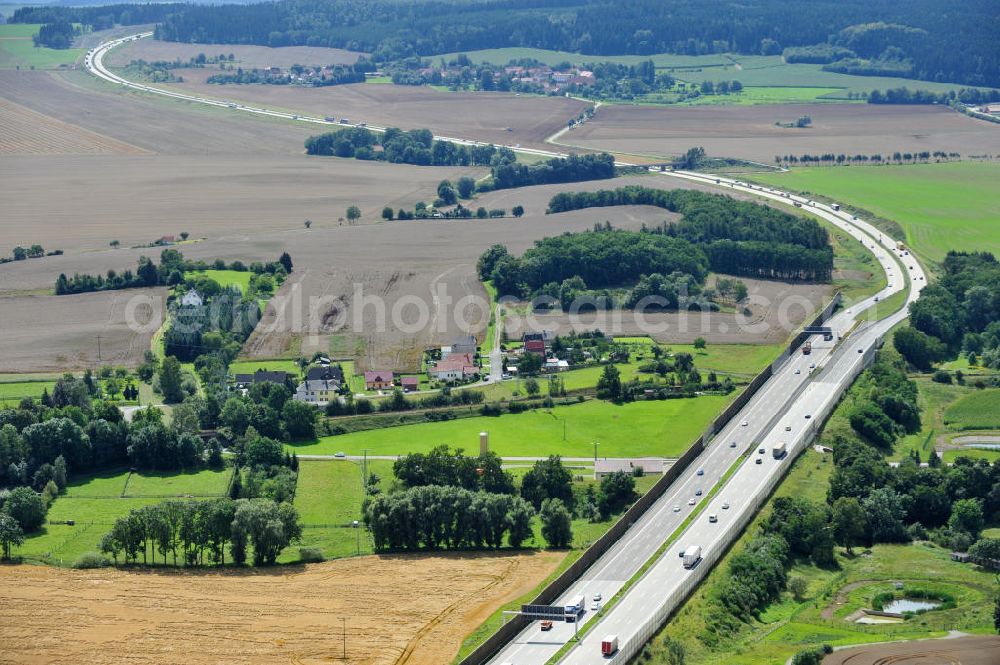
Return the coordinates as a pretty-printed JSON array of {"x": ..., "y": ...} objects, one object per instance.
[
  {"x": 692, "y": 555},
  {"x": 779, "y": 450},
  {"x": 574, "y": 607}
]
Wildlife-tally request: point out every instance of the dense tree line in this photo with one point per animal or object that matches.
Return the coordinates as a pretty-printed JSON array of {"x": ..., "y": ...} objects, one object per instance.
[
  {"x": 447, "y": 517},
  {"x": 960, "y": 312},
  {"x": 599, "y": 258},
  {"x": 920, "y": 34},
  {"x": 559, "y": 169},
  {"x": 738, "y": 237},
  {"x": 904, "y": 95},
  {"x": 442, "y": 466},
  {"x": 170, "y": 272},
  {"x": 715, "y": 232},
  {"x": 416, "y": 146},
  {"x": 898, "y": 157},
  {"x": 191, "y": 532}
]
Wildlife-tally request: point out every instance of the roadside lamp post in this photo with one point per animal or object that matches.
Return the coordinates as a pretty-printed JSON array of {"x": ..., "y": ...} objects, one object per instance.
[
  {"x": 595, "y": 450},
  {"x": 357, "y": 536}
]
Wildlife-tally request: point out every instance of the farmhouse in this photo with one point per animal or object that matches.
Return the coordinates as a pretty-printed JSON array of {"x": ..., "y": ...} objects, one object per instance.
[
  {"x": 461, "y": 346},
  {"x": 455, "y": 367},
  {"x": 260, "y": 376},
  {"x": 409, "y": 383},
  {"x": 378, "y": 379},
  {"x": 317, "y": 391},
  {"x": 332, "y": 373},
  {"x": 538, "y": 342},
  {"x": 192, "y": 299}
]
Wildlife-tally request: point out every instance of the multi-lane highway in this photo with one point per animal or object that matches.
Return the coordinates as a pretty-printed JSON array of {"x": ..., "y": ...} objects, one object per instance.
[
  {"x": 788, "y": 408},
  {"x": 794, "y": 422}
]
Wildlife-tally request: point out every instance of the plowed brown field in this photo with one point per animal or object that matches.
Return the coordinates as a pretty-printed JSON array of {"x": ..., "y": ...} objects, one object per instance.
[
  {"x": 27, "y": 132},
  {"x": 978, "y": 650},
  {"x": 395, "y": 610},
  {"x": 749, "y": 132}
]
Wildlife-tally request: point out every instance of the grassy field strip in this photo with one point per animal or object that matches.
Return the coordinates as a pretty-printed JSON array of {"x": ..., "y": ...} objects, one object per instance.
[
  {"x": 947, "y": 205},
  {"x": 671, "y": 539}
]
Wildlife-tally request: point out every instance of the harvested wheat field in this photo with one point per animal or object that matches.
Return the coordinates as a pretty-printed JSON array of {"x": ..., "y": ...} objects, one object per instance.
[
  {"x": 27, "y": 132},
  {"x": 158, "y": 125},
  {"x": 281, "y": 615},
  {"x": 749, "y": 132},
  {"x": 246, "y": 56},
  {"x": 972, "y": 650},
  {"x": 56, "y": 333},
  {"x": 484, "y": 116},
  {"x": 138, "y": 199}
]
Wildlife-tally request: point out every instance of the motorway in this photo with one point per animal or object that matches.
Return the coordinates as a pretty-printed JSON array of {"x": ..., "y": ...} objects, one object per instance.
[
  {"x": 782, "y": 410},
  {"x": 666, "y": 584}
]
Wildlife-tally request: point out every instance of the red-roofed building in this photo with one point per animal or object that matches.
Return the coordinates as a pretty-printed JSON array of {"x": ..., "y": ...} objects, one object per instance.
[
  {"x": 410, "y": 383},
  {"x": 378, "y": 379},
  {"x": 456, "y": 366},
  {"x": 534, "y": 346}
]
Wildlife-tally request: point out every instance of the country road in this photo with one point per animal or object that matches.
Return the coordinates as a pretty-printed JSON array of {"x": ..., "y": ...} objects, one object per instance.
[{"x": 790, "y": 407}]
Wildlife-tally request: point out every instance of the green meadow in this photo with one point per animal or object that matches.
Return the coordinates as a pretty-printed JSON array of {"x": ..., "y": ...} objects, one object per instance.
[
  {"x": 655, "y": 428},
  {"x": 18, "y": 50},
  {"x": 944, "y": 206}
]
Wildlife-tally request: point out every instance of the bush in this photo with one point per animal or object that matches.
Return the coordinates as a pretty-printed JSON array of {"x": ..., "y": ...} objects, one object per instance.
[
  {"x": 90, "y": 560},
  {"x": 812, "y": 655},
  {"x": 311, "y": 555}
]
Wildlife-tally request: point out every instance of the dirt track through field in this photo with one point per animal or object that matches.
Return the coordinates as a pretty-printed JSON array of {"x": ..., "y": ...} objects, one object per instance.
[{"x": 280, "y": 615}]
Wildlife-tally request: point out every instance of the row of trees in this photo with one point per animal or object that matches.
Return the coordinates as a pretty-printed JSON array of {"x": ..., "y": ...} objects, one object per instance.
[
  {"x": 574, "y": 168},
  {"x": 191, "y": 532},
  {"x": 904, "y": 95},
  {"x": 435, "y": 516},
  {"x": 416, "y": 146},
  {"x": 876, "y": 158},
  {"x": 170, "y": 272}
]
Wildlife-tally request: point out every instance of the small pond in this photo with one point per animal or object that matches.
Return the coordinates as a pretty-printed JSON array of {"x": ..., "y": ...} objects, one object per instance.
[{"x": 902, "y": 605}]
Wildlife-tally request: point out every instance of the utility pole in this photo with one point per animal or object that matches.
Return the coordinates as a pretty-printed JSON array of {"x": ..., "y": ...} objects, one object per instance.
[
  {"x": 344, "y": 620},
  {"x": 99, "y": 348},
  {"x": 357, "y": 536},
  {"x": 595, "y": 450}
]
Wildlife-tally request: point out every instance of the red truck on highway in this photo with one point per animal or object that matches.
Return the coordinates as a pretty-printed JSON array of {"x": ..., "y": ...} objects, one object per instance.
[{"x": 609, "y": 645}]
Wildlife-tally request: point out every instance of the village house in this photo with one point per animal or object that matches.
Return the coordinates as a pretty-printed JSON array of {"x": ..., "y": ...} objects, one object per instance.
[
  {"x": 410, "y": 384},
  {"x": 192, "y": 299},
  {"x": 378, "y": 379},
  {"x": 244, "y": 381},
  {"x": 461, "y": 346},
  {"x": 454, "y": 368},
  {"x": 317, "y": 391}
]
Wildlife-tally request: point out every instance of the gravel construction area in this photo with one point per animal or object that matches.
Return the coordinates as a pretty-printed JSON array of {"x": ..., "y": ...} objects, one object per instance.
[{"x": 288, "y": 614}]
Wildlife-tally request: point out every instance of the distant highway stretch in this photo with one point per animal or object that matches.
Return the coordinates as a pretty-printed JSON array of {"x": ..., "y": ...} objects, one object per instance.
[
  {"x": 789, "y": 408},
  {"x": 94, "y": 63}
]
